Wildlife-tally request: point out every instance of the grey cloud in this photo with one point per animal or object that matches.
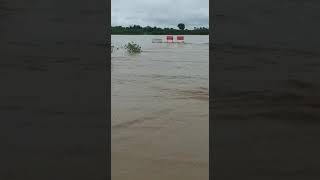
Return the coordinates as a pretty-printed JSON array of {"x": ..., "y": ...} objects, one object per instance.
[{"x": 161, "y": 13}]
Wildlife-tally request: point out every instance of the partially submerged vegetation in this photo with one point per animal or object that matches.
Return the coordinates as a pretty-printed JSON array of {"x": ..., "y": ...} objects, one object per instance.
[{"x": 132, "y": 48}]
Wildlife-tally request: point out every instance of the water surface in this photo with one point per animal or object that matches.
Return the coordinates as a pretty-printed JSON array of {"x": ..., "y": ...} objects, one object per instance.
[{"x": 160, "y": 109}]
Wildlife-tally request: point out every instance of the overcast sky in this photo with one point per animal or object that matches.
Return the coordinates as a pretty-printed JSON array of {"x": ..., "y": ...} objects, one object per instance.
[{"x": 160, "y": 13}]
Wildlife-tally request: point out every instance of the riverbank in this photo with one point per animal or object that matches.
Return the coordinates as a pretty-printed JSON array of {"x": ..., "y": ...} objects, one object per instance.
[{"x": 138, "y": 30}]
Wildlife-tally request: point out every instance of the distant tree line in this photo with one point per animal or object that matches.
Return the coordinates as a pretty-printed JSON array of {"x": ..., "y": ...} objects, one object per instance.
[{"x": 138, "y": 30}]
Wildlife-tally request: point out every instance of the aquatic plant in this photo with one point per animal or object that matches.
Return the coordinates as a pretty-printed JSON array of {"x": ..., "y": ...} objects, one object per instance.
[{"x": 133, "y": 48}]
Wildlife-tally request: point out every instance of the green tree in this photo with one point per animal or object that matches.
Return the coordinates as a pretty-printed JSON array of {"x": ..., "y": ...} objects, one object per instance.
[
  {"x": 181, "y": 26},
  {"x": 137, "y": 29}
]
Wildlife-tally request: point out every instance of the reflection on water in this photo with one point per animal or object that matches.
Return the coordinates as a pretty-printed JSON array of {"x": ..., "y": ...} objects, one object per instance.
[{"x": 160, "y": 109}]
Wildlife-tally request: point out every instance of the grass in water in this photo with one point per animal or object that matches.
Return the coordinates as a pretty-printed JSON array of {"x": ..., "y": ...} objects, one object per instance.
[{"x": 133, "y": 48}]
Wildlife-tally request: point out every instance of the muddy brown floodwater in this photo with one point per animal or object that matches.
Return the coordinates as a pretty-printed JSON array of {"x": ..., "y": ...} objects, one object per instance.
[{"x": 160, "y": 126}]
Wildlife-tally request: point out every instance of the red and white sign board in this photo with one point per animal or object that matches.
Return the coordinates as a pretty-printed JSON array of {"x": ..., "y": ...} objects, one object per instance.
[
  {"x": 170, "y": 38},
  {"x": 180, "y": 38}
]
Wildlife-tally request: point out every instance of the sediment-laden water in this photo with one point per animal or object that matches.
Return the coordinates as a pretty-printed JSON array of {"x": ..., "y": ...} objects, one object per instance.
[{"x": 160, "y": 109}]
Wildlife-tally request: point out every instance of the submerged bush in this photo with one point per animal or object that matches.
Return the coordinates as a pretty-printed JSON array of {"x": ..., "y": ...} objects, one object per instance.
[{"x": 133, "y": 48}]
